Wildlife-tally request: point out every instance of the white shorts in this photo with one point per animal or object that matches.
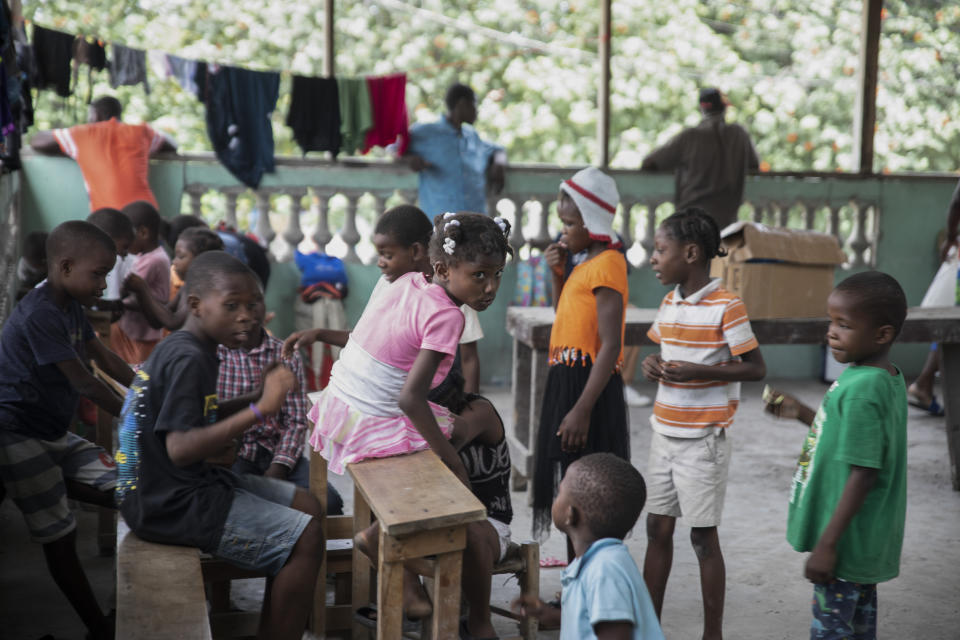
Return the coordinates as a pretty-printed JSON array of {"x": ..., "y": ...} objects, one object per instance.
[
  {"x": 503, "y": 535},
  {"x": 687, "y": 477}
]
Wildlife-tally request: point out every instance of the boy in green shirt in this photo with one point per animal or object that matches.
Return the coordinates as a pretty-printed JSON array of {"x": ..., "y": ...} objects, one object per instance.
[{"x": 848, "y": 500}]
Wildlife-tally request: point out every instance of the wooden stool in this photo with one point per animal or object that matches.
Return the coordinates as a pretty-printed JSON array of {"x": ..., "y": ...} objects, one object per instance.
[
  {"x": 423, "y": 511},
  {"x": 106, "y": 518}
]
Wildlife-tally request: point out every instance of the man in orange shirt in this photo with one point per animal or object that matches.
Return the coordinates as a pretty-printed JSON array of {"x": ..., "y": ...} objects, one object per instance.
[{"x": 113, "y": 156}]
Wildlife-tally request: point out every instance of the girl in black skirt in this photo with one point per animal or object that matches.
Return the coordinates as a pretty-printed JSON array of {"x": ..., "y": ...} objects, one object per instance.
[{"x": 583, "y": 406}]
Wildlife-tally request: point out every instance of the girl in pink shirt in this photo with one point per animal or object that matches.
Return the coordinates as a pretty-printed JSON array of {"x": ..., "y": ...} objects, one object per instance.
[{"x": 403, "y": 345}]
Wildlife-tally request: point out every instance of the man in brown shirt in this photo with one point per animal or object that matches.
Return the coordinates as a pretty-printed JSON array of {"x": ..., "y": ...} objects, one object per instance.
[{"x": 711, "y": 161}]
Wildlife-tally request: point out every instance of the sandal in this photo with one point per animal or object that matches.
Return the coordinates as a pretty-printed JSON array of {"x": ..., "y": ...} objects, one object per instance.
[{"x": 932, "y": 407}]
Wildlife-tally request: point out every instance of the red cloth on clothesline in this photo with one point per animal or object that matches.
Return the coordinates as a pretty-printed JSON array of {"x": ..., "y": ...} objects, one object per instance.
[{"x": 388, "y": 100}]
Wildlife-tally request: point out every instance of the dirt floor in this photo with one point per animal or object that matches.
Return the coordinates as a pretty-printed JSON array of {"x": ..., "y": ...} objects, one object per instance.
[{"x": 767, "y": 597}]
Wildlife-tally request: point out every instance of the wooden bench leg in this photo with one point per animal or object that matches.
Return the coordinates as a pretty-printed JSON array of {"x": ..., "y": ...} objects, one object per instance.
[
  {"x": 446, "y": 600},
  {"x": 361, "y": 565},
  {"x": 530, "y": 585},
  {"x": 950, "y": 378},
  {"x": 389, "y": 594}
]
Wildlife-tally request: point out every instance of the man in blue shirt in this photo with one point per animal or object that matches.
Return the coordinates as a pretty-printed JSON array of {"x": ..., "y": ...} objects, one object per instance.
[{"x": 456, "y": 166}]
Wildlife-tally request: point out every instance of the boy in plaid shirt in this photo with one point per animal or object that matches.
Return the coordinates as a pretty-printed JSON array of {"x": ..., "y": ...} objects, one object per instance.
[{"x": 274, "y": 448}]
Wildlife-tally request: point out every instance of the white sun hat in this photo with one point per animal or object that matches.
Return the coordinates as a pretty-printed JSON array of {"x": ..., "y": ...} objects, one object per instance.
[{"x": 595, "y": 194}]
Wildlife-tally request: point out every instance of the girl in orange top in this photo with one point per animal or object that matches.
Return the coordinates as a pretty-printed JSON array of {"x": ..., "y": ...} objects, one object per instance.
[{"x": 583, "y": 406}]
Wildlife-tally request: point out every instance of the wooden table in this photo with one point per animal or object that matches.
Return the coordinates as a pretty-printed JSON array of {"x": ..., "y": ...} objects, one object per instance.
[
  {"x": 423, "y": 510},
  {"x": 530, "y": 328}
]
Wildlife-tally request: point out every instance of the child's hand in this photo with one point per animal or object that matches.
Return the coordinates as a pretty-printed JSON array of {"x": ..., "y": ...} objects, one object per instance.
[
  {"x": 556, "y": 256},
  {"x": 679, "y": 371},
  {"x": 277, "y": 383},
  {"x": 780, "y": 404},
  {"x": 135, "y": 284},
  {"x": 573, "y": 430},
  {"x": 417, "y": 163},
  {"x": 299, "y": 340},
  {"x": 820, "y": 565},
  {"x": 652, "y": 367},
  {"x": 528, "y": 606}
]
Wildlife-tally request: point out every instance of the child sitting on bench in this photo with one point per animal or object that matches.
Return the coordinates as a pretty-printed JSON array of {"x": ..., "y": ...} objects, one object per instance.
[
  {"x": 172, "y": 424},
  {"x": 598, "y": 502},
  {"x": 404, "y": 344}
]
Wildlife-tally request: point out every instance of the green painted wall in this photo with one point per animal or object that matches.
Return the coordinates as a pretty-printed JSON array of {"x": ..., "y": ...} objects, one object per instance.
[{"x": 913, "y": 210}]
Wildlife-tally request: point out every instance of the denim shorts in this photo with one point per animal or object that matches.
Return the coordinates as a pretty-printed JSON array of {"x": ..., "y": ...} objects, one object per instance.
[{"x": 261, "y": 528}]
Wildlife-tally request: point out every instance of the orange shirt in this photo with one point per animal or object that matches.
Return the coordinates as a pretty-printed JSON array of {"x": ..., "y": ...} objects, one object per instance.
[
  {"x": 113, "y": 158},
  {"x": 575, "y": 334}
]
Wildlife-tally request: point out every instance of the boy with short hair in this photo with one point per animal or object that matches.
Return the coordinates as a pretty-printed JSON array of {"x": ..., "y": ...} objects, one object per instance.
[
  {"x": 44, "y": 349},
  {"x": 274, "y": 448},
  {"x": 133, "y": 337},
  {"x": 120, "y": 229},
  {"x": 604, "y": 596},
  {"x": 172, "y": 423},
  {"x": 848, "y": 500}
]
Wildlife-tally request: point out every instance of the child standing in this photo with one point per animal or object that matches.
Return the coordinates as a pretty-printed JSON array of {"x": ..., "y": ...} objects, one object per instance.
[
  {"x": 172, "y": 424},
  {"x": 849, "y": 494},
  {"x": 403, "y": 345},
  {"x": 583, "y": 407},
  {"x": 599, "y": 501},
  {"x": 706, "y": 348},
  {"x": 45, "y": 348},
  {"x": 132, "y": 336}
]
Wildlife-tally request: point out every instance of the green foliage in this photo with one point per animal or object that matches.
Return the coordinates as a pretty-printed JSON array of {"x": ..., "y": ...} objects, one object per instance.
[{"x": 789, "y": 67}]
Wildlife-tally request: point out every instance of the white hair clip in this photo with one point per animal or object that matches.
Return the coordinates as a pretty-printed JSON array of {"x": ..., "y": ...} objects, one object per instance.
[
  {"x": 501, "y": 223},
  {"x": 452, "y": 223},
  {"x": 449, "y": 245},
  {"x": 448, "y": 215}
]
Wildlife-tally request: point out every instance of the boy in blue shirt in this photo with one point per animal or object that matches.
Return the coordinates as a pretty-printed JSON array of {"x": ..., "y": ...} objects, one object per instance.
[
  {"x": 604, "y": 595},
  {"x": 849, "y": 495},
  {"x": 45, "y": 348}
]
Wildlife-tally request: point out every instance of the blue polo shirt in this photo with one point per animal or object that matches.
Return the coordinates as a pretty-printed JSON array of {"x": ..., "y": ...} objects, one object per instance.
[
  {"x": 457, "y": 177},
  {"x": 604, "y": 585}
]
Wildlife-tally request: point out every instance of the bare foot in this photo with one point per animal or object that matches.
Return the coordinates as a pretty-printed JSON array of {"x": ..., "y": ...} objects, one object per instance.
[
  {"x": 416, "y": 602},
  {"x": 367, "y": 541}
]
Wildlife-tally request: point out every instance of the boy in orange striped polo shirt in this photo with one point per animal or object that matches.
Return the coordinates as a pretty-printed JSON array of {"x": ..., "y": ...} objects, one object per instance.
[{"x": 706, "y": 348}]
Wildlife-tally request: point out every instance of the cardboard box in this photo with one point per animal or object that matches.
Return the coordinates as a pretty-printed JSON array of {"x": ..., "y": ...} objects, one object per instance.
[{"x": 779, "y": 273}]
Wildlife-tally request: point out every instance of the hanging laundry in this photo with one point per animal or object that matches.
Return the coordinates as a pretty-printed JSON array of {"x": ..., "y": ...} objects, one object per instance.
[
  {"x": 356, "y": 115},
  {"x": 53, "y": 51},
  {"x": 91, "y": 53},
  {"x": 128, "y": 66},
  {"x": 314, "y": 114},
  {"x": 183, "y": 71},
  {"x": 239, "y": 103},
  {"x": 388, "y": 98}
]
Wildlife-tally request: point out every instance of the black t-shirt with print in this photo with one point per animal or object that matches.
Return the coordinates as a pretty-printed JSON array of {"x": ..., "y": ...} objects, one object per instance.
[{"x": 176, "y": 390}]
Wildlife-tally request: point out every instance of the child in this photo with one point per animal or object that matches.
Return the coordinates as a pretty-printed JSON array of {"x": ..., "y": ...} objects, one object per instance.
[
  {"x": 480, "y": 439},
  {"x": 583, "y": 407},
  {"x": 172, "y": 423},
  {"x": 170, "y": 315},
  {"x": 120, "y": 229},
  {"x": 404, "y": 343},
  {"x": 597, "y": 504},
  {"x": 44, "y": 350},
  {"x": 402, "y": 238},
  {"x": 32, "y": 266},
  {"x": 848, "y": 501},
  {"x": 274, "y": 448},
  {"x": 706, "y": 347},
  {"x": 132, "y": 336}
]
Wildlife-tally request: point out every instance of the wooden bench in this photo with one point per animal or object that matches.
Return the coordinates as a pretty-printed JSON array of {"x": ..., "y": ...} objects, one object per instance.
[
  {"x": 423, "y": 511},
  {"x": 159, "y": 590},
  {"x": 531, "y": 326}
]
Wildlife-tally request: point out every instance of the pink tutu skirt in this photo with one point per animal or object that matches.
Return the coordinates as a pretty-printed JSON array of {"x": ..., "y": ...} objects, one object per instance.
[{"x": 343, "y": 435}]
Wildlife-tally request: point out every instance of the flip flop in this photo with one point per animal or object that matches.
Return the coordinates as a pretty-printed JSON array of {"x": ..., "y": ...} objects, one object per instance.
[
  {"x": 368, "y": 617},
  {"x": 547, "y": 562},
  {"x": 933, "y": 407}
]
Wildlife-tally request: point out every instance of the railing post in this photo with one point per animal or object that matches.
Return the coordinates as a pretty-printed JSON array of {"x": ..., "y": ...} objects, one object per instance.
[
  {"x": 858, "y": 242},
  {"x": 263, "y": 229},
  {"x": 516, "y": 232},
  {"x": 349, "y": 233},
  {"x": 196, "y": 193},
  {"x": 292, "y": 235},
  {"x": 626, "y": 229},
  {"x": 321, "y": 235},
  {"x": 542, "y": 240},
  {"x": 649, "y": 228},
  {"x": 231, "y": 213}
]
